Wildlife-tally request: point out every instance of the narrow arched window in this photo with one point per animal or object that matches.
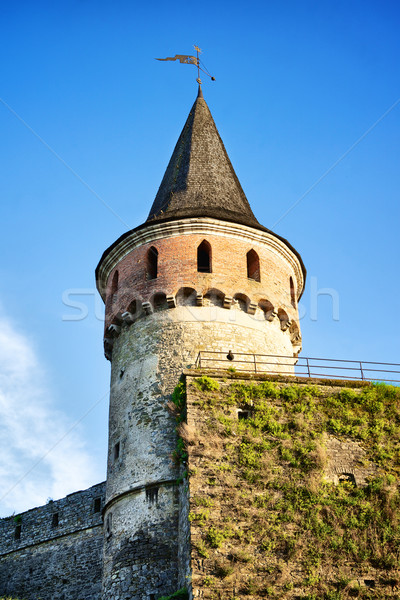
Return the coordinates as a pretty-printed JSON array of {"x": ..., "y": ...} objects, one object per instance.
[
  {"x": 292, "y": 293},
  {"x": 114, "y": 286},
  {"x": 152, "y": 263},
  {"x": 204, "y": 257},
  {"x": 109, "y": 524},
  {"x": 253, "y": 265}
]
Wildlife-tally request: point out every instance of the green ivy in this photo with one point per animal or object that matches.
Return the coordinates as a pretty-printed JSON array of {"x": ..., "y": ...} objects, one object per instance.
[{"x": 179, "y": 399}]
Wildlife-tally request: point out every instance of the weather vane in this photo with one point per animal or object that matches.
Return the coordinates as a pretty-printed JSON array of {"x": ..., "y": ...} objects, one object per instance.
[{"x": 191, "y": 60}]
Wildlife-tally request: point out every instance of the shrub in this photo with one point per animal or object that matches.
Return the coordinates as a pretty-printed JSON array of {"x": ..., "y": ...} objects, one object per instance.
[
  {"x": 207, "y": 384},
  {"x": 215, "y": 537}
]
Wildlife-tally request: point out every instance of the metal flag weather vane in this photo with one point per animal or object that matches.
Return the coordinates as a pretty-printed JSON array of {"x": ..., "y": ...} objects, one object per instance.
[{"x": 191, "y": 60}]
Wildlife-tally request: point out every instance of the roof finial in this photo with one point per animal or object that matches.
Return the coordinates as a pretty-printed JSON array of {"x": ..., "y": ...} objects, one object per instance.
[
  {"x": 198, "y": 51},
  {"x": 192, "y": 60}
]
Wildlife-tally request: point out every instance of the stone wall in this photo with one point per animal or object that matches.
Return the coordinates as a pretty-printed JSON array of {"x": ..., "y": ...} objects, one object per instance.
[
  {"x": 347, "y": 461},
  {"x": 142, "y": 512},
  {"x": 184, "y": 539},
  {"x": 266, "y": 520},
  {"x": 141, "y": 545},
  {"x": 54, "y": 552}
]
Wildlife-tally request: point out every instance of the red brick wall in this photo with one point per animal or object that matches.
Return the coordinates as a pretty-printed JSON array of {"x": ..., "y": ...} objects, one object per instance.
[{"x": 177, "y": 267}]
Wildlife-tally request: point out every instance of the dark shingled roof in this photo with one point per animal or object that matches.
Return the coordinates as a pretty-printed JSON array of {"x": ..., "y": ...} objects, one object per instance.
[{"x": 200, "y": 180}]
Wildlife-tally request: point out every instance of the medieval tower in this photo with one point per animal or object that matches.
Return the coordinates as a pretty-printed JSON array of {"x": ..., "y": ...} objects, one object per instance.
[
  {"x": 221, "y": 483},
  {"x": 200, "y": 274}
]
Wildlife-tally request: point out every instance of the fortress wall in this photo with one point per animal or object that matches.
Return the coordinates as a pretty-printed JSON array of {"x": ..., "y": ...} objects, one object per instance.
[
  {"x": 50, "y": 561},
  {"x": 235, "y": 516},
  {"x": 184, "y": 538},
  {"x": 60, "y": 569},
  {"x": 141, "y": 546}
]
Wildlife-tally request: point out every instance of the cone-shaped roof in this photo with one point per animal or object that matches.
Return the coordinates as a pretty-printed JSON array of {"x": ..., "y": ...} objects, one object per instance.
[{"x": 200, "y": 180}]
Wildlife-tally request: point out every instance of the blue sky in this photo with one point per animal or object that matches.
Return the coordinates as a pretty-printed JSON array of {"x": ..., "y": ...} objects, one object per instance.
[{"x": 297, "y": 85}]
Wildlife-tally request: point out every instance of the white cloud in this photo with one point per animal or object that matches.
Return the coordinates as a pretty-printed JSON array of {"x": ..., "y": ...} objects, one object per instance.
[{"x": 37, "y": 460}]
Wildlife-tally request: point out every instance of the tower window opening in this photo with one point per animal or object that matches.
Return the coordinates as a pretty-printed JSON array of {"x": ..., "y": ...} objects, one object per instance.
[
  {"x": 243, "y": 415},
  {"x": 347, "y": 478},
  {"x": 152, "y": 495},
  {"x": 253, "y": 265},
  {"x": 109, "y": 524},
  {"x": 54, "y": 520},
  {"x": 152, "y": 263},
  {"x": 97, "y": 505},
  {"x": 292, "y": 293},
  {"x": 117, "y": 448},
  {"x": 17, "y": 532},
  {"x": 114, "y": 286},
  {"x": 204, "y": 257}
]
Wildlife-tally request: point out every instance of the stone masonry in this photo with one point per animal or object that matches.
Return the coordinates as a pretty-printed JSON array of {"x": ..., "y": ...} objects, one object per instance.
[{"x": 54, "y": 552}]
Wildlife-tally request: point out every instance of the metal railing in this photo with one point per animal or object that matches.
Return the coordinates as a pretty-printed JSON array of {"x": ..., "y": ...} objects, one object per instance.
[{"x": 303, "y": 366}]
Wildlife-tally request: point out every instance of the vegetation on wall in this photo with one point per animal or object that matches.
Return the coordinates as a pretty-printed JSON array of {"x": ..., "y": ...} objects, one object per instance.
[
  {"x": 181, "y": 594},
  {"x": 177, "y": 407},
  {"x": 265, "y": 520}
]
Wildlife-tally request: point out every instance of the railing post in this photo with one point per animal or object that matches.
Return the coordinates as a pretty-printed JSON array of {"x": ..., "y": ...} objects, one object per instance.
[
  {"x": 255, "y": 363},
  {"x": 308, "y": 368},
  {"x": 199, "y": 359},
  {"x": 362, "y": 372}
]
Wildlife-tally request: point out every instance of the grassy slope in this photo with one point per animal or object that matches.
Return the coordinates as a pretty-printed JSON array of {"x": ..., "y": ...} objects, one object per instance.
[{"x": 265, "y": 523}]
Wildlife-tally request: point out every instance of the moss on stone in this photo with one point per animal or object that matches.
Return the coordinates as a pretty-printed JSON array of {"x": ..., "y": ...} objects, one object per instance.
[
  {"x": 181, "y": 594},
  {"x": 265, "y": 475}
]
